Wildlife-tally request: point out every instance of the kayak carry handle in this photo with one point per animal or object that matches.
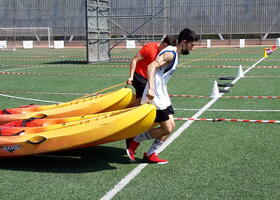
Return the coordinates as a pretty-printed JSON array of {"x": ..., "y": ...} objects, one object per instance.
[{"x": 36, "y": 140}]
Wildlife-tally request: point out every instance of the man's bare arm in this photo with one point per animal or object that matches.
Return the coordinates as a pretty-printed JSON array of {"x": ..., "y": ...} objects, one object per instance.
[
  {"x": 133, "y": 63},
  {"x": 161, "y": 61}
]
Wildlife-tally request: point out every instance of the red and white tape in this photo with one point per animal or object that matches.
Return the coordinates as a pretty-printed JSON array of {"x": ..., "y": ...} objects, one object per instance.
[
  {"x": 57, "y": 74},
  {"x": 273, "y": 60},
  {"x": 43, "y": 56},
  {"x": 192, "y": 96},
  {"x": 125, "y": 65},
  {"x": 203, "y": 59},
  {"x": 54, "y": 53},
  {"x": 224, "y": 66},
  {"x": 229, "y": 120},
  {"x": 267, "y": 67},
  {"x": 65, "y": 66},
  {"x": 236, "y": 97},
  {"x": 11, "y": 59},
  {"x": 253, "y": 97},
  {"x": 218, "y": 66}
]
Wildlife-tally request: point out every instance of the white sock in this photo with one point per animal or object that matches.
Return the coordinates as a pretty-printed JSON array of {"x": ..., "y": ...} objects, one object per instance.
[
  {"x": 155, "y": 146},
  {"x": 144, "y": 136}
]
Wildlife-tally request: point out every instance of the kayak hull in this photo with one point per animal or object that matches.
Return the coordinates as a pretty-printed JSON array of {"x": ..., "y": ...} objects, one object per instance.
[
  {"x": 84, "y": 134},
  {"x": 119, "y": 99}
]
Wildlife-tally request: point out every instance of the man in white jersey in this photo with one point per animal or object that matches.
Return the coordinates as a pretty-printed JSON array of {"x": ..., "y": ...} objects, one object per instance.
[{"x": 159, "y": 72}]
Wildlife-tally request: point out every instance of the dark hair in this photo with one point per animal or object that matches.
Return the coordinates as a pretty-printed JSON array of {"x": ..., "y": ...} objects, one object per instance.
[
  {"x": 187, "y": 35},
  {"x": 170, "y": 40}
]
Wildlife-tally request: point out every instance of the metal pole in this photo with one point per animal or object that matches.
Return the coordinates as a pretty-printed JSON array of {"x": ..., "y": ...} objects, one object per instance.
[
  {"x": 65, "y": 21},
  {"x": 165, "y": 18},
  {"x": 152, "y": 19},
  {"x": 98, "y": 30},
  {"x": 86, "y": 18},
  {"x": 49, "y": 37}
]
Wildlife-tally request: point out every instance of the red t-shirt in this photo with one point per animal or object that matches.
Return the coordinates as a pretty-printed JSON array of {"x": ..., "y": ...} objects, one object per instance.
[{"x": 149, "y": 52}]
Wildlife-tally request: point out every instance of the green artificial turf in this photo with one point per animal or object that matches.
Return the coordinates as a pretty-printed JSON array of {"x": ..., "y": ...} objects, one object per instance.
[{"x": 209, "y": 160}]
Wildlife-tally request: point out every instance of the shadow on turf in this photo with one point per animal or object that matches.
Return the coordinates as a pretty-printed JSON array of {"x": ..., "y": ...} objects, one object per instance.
[{"x": 91, "y": 159}]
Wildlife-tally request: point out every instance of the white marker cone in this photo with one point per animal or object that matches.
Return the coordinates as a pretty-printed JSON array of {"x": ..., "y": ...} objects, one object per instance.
[
  {"x": 240, "y": 72},
  {"x": 215, "y": 91}
]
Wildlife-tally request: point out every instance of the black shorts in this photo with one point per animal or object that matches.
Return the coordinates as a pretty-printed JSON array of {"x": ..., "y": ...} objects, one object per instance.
[
  {"x": 139, "y": 83},
  {"x": 163, "y": 115}
]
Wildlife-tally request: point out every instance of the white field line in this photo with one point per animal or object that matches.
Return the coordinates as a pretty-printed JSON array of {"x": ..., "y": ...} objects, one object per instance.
[
  {"x": 227, "y": 110},
  {"x": 27, "y": 99},
  {"x": 22, "y": 98},
  {"x": 131, "y": 175},
  {"x": 7, "y": 70}
]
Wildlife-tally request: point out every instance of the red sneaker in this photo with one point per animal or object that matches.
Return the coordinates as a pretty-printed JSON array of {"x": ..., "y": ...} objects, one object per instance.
[
  {"x": 127, "y": 141},
  {"x": 132, "y": 146},
  {"x": 153, "y": 159}
]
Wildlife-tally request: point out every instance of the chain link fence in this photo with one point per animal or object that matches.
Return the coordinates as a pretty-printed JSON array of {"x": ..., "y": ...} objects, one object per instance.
[{"x": 147, "y": 18}]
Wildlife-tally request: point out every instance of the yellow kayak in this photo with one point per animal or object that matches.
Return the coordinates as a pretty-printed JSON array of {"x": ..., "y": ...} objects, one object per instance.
[
  {"x": 115, "y": 100},
  {"x": 84, "y": 133}
]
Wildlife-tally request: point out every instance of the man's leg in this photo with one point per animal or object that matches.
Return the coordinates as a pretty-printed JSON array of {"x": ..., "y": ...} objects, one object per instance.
[
  {"x": 139, "y": 84},
  {"x": 137, "y": 102},
  {"x": 139, "y": 89},
  {"x": 160, "y": 134}
]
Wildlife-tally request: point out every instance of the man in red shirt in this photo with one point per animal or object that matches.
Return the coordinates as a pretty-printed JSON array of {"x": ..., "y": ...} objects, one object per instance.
[{"x": 140, "y": 62}]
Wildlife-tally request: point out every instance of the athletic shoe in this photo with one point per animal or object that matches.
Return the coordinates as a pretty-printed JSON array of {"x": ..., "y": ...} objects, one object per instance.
[
  {"x": 127, "y": 141},
  {"x": 153, "y": 159},
  {"x": 132, "y": 146}
]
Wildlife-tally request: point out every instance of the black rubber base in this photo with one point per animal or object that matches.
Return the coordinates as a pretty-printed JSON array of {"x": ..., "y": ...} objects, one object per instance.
[
  {"x": 223, "y": 91},
  {"x": 225, "y": 84},
  {"x": 226, "y": 78}
]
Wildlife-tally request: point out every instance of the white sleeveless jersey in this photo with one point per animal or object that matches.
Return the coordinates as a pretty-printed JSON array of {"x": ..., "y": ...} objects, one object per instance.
[{"x": 162, "y": 76}]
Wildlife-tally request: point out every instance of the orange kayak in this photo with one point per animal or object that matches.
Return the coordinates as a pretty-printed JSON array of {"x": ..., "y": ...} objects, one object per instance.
[
  {"x": 115, "y": 100},
  {"x": 36, "y": 125}
]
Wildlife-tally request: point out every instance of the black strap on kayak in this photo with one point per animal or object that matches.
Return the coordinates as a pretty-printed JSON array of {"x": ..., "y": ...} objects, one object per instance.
[
  {"x": 15, "y": 134},
  {"x": 26, "y": 106},
  {"x": 25, "y": 121},
  {"x": 4, "y": 111}
]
